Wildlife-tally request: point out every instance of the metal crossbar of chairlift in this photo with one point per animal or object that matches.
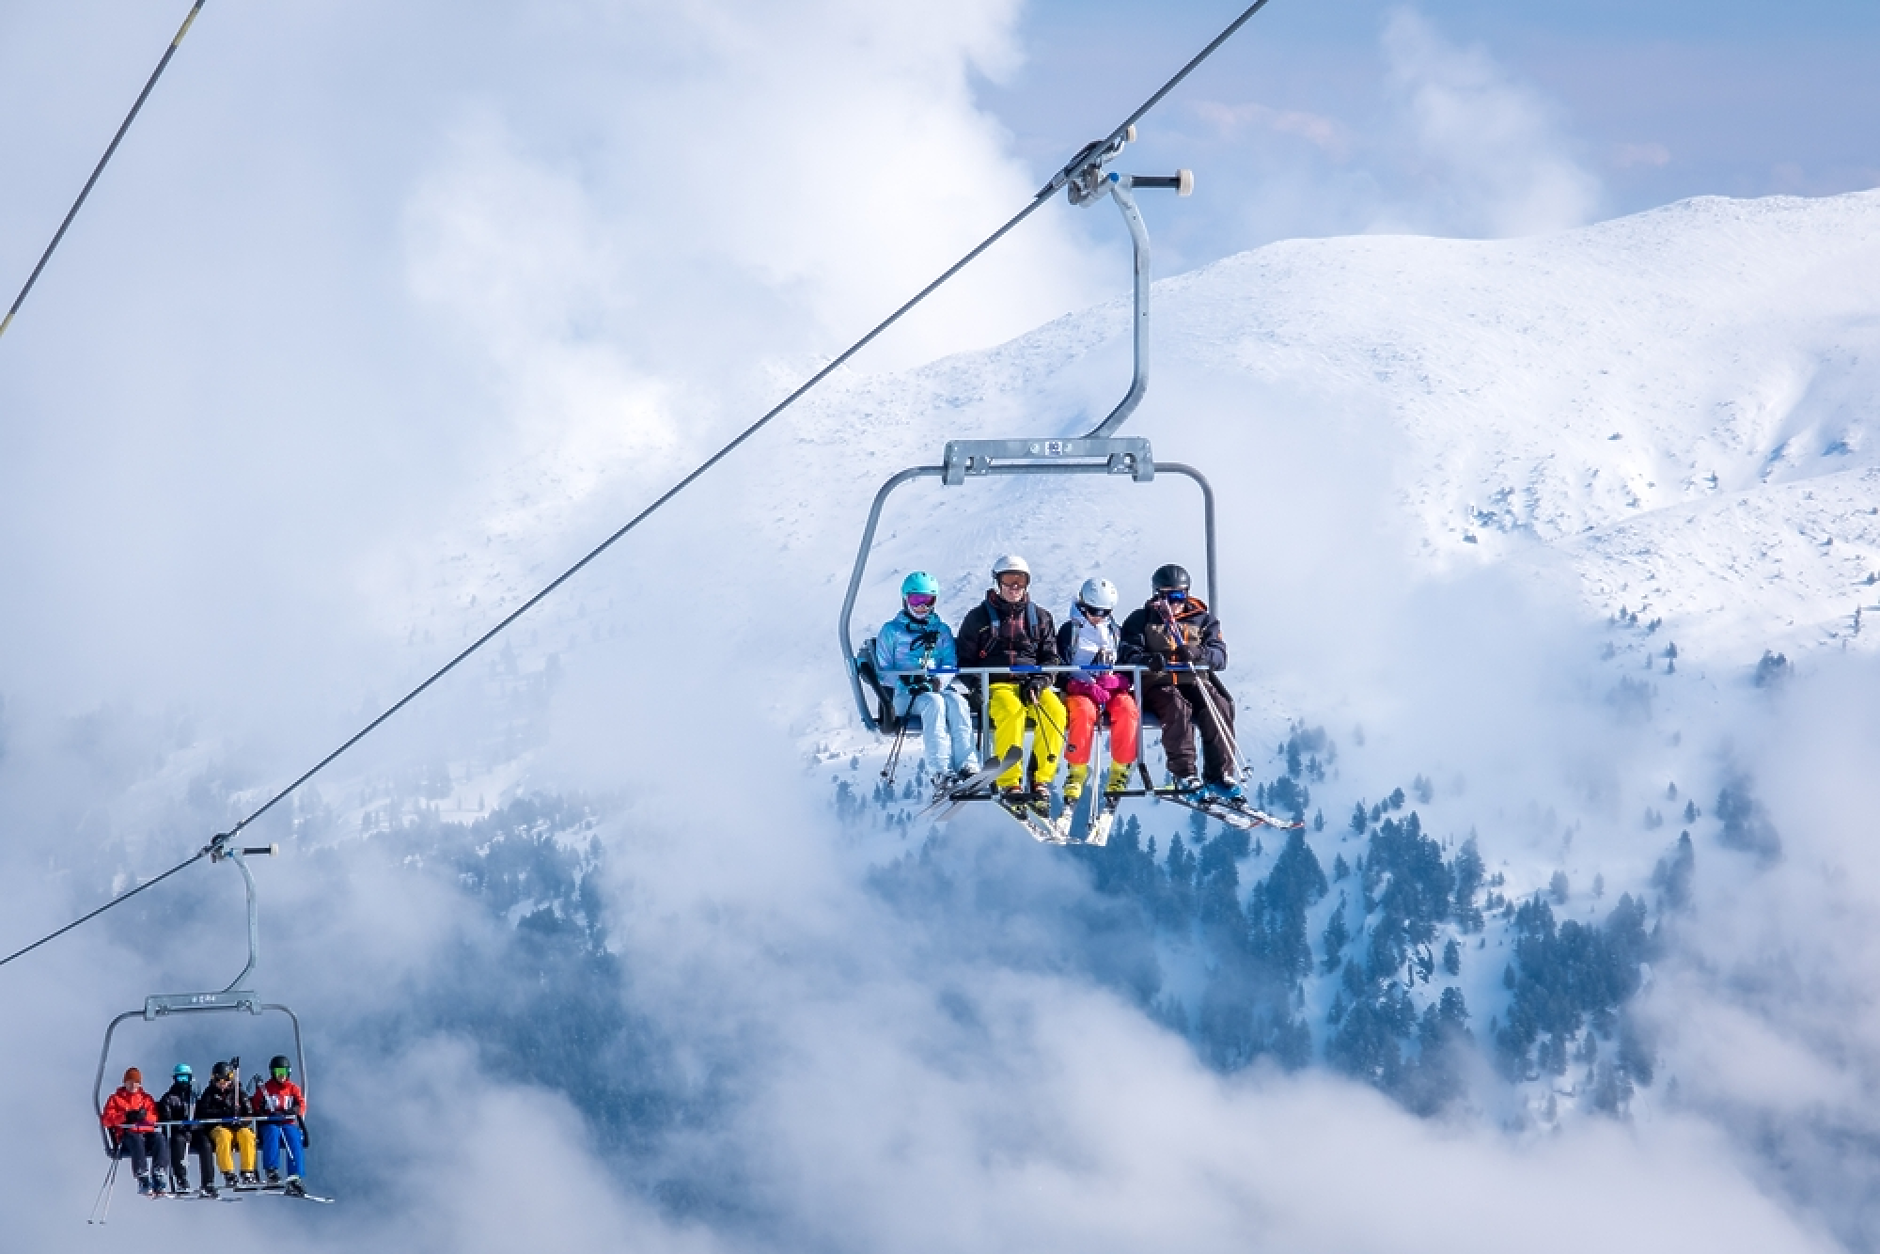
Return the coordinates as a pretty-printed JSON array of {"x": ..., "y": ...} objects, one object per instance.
[
  {"x": 233, "y": 999},
  {"x": 1099, "y": 452}
]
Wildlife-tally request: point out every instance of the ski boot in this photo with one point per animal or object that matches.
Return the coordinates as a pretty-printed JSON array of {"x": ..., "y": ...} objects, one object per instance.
[
  {"x": 230, "y": 1180},
  {"x": 274, "y": 1179},
  {"x": 143, "y": 1186},
  {"x": 250, "y": 1179},
  {"x": 1074, "y": 783},
  {"x": 209, "y": 1190},
  {"x": 1224, "y": 792},
  {"x": 159, "y": 1184},
  {"x": 179, "y": 1183},
  {"x": 293, "y": 1187},
  {"x": 1119, "y": 777},
  {"x": 1184, "y": 784}
]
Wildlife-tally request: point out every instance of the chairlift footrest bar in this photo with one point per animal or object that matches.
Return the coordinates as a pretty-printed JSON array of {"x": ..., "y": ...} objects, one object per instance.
[{"x": 1126, "y": 455}]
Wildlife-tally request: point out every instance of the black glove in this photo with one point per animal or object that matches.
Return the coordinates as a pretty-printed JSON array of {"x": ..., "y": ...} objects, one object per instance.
[
  {"x": 1032, "y": 687},
  {"x": 918, "y": 684},
  {"x": 306, "y": 1137},
  {"x": 1155, "y": 664}
]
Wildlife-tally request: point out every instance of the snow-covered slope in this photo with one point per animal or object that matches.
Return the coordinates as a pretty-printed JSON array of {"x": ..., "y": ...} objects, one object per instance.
[{"x": 1680, "y": 405}]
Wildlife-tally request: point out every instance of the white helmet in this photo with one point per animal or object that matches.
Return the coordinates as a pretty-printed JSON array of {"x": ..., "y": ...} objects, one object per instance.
[
  {"x": 1011, "y": 563},
  {"x": 1098, "y": 594}
]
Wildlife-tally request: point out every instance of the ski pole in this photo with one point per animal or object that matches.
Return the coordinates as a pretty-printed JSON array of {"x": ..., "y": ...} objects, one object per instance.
[
  {"x": 1207, "y": 698},
  {"x": 894, "y": 752},
  {"x": 101, "y": 1208}
]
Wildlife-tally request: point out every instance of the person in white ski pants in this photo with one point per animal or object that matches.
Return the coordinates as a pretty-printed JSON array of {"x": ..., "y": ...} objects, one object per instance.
[{"x": 916, "y": 640}]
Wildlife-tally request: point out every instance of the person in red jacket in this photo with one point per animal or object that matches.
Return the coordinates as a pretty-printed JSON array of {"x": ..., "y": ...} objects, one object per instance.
[
  {"x": 130, "y": 1117},
  {"x": 281, "y": 1103}
]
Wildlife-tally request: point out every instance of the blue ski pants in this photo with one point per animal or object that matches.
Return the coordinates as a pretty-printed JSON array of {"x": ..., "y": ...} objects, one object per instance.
[
  {"x": 271, "y": 1137},
  {"x": 946, "y": 728}
]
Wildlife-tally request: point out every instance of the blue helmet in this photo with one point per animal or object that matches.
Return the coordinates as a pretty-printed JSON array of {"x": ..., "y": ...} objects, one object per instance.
[
  {"x": 182, "y": 1072},
  {"x": 920, "y": 583}
]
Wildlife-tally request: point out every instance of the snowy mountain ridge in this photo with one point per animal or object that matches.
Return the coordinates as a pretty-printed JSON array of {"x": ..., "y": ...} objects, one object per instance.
[{"x": 1678, "y": 404}]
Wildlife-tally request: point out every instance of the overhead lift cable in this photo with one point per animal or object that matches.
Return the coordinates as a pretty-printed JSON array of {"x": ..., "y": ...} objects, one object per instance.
[
  {"x": 1058, "y": 180},
  {"x": 99, "y": 169}
]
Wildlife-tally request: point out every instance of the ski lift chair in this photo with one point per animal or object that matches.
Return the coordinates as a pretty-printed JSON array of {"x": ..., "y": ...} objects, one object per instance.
[
  {"x": 232, "y": 1000},
  {"x": 1099, "y": 452}
]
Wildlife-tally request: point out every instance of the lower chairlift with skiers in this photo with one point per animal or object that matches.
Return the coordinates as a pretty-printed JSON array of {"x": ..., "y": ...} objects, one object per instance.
[{"x": 254, "y": 1135}]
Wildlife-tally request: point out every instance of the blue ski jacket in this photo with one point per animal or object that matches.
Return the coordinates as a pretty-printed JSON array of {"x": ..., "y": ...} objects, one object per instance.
[{"x": 905, "y": 643}]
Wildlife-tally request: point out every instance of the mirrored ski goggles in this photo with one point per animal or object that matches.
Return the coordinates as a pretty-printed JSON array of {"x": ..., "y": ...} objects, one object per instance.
[
  {"x": 921, "y": 601},
  {"x": 1171, "y": 594},
  {"x": 280, "y": 1073},
  {"x": 1091, "y": 611}
]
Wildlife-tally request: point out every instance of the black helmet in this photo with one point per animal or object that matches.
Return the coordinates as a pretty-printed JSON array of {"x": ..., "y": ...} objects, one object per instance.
[
  {"x": 279, "y": 1061},
  {"x": 221, "y": 1071},
  {"x": 1170, "y": 576}
]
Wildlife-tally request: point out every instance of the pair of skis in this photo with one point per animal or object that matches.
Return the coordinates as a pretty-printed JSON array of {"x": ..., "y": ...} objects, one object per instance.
[
  {"x": 1233, "y": 813},
  {"x": 980, "y": 787}
]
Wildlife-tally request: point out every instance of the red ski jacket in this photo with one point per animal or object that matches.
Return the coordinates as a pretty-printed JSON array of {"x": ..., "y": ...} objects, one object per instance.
[
  {"x": 279, "y": 1097},
  {"x": 125, "y": 1107}
]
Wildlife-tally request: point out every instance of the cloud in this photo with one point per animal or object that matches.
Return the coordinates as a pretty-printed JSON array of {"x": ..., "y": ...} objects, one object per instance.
[{"x": 1488, "y": 146}]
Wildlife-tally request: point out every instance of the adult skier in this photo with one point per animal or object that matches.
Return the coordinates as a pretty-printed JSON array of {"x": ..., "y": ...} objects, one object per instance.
[
  {"x": 917, "y": 640},
  {"x": 131, "y": 1119},
  {"x": 1176, "y": 630},
  {"x": 1091, "y": 640},
  {"x": 221, "y": 1111},
  {"x": 177, "y": 1109},
  {"x": 282, "y": 1107},
  {"x": 1007, "y": 629}
]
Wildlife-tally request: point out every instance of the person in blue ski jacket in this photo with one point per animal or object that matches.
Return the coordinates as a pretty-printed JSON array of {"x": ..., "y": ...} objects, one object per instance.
[{"x": 916, "y": 640}]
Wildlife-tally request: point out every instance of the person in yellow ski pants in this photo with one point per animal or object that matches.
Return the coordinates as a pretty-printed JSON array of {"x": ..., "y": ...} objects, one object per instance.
[{"x": 1006, "y": 707}]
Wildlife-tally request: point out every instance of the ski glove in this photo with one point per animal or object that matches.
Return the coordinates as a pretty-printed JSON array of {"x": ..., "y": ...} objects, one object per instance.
[
  {"x": 306, "y": 1137},
  {"x": 1033, "y": 688},
  {"x": 1155, "y": 663}
]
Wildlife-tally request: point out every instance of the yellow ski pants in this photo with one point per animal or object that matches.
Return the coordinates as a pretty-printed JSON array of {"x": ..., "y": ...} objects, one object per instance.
[
  {"x": 244, "y": 1139},
  {"x": 1007, "y": 711}
]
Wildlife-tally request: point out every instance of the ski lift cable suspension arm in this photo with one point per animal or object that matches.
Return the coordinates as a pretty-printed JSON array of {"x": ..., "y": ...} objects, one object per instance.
[
  {"x": 1083, "y": 159},
  {"x": 102, "y": 162}
]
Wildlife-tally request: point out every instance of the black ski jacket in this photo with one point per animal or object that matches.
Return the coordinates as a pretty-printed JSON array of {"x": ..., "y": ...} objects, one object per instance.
[
  {"x": 994, "y": 633},
  {"x": 214, "y": 1106},
  {"x": 178, "y": 1105},
  {"x": 1147, "y": 633}
]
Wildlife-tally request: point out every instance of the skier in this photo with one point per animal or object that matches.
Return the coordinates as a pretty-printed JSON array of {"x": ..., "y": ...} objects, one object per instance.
[
  {"x": 1177, "y": 630},
  {"x": 131, "y": 1118},
  {"x": 917, "y": 640},
  {"x": 280, "y": 1102},
  {"x": 220, "y": 1111},
  {"x": 177, "y": 1109},
  {"x": 1090, "y": 639},
  {"x": 1007, "y": 629}
]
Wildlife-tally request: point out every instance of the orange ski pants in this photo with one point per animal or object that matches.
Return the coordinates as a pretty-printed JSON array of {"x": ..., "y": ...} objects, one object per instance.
[{"x": 1083, "y": 704}]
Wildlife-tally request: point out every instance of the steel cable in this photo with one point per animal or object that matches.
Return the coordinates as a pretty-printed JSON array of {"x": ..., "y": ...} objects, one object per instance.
[{"x": 102, "y": 161}]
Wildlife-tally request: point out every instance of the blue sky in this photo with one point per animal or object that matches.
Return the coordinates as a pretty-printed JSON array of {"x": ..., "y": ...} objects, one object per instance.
[{"x": 1655, "y": 102}]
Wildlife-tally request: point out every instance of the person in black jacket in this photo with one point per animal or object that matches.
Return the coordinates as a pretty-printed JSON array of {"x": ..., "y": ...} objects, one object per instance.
[
  {"x": 1176, "y": 630},
  {"x": 177, "y": 1108},
  {"x": 223, "y": 1114},
  {"x": 1008, "y": 629}
]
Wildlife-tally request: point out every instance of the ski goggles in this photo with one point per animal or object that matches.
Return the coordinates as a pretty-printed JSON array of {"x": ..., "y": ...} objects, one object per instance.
[
  {"x": 1015, "y": 583},
  {"x": 280, "y": 1073},
  {"x": 1171, "y": 594},
  {"x": 1091, "y": 611},
  {"x": 921, "y": 601}
]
